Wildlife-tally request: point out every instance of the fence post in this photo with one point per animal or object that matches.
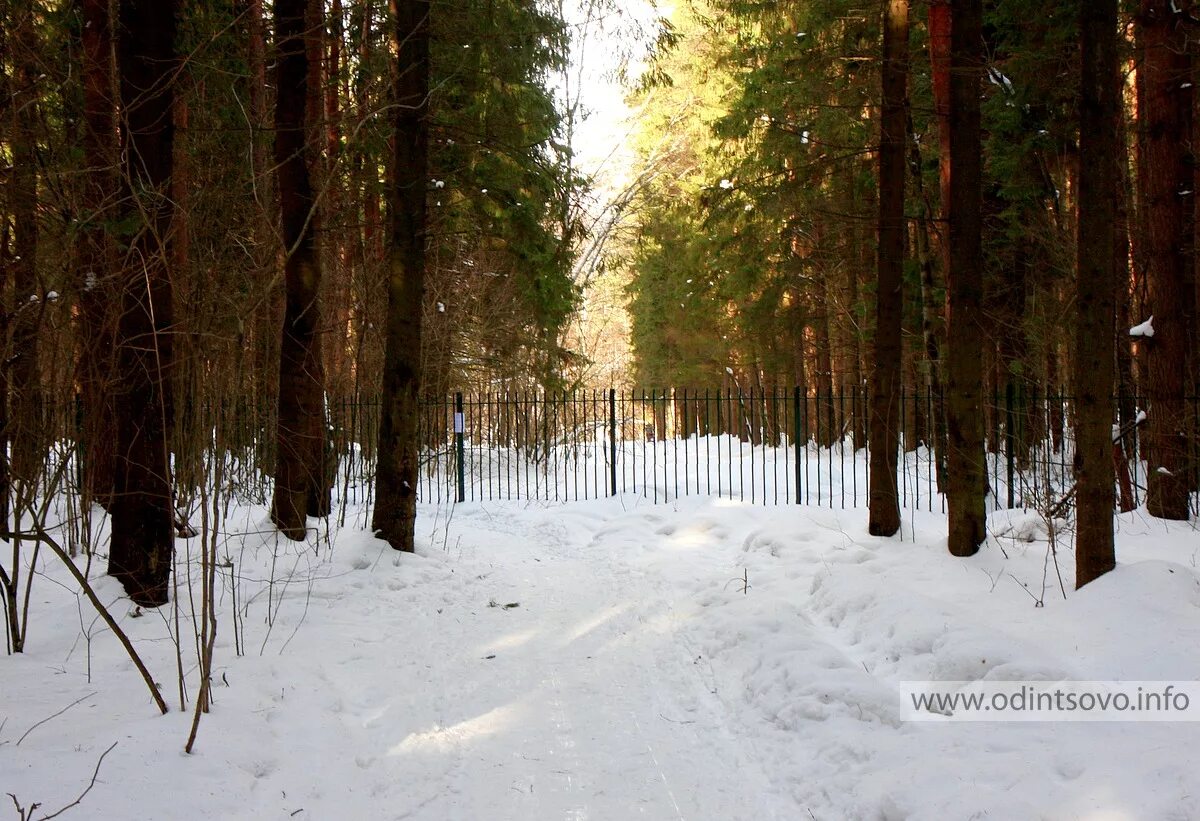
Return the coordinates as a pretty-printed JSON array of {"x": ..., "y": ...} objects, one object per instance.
[
  {"x": 459, "y": 429},
  {"x": 796, "y": 437},
  {"x": 612, "y": 440},
  {"x": 1009, "y": 440}
]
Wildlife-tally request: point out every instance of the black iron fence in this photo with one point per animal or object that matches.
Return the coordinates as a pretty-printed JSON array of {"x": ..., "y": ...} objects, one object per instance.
[{"x": 757, "y": 446}]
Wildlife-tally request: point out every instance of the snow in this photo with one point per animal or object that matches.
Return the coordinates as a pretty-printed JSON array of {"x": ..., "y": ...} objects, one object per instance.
[
  {"x": 1144, "y": 329},
  {"x": 609, "y": 659},
  {"x": 998, "y": 78}
]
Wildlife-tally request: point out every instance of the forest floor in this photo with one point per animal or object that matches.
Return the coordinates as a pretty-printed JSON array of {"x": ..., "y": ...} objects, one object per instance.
[{"x": 613, "y": 660}]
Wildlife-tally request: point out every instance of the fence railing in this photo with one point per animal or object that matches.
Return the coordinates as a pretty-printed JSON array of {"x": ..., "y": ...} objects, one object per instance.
[
  {"x": 787, "y": 446},
  {"x": 758, "y": 446}
]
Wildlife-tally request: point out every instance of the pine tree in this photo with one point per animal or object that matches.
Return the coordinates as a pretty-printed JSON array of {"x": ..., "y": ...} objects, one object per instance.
[
  {"x": 299, "y": 471},
  {"x": 143, "y": 536},
  {"x": 1095, "y": 350},
  {"x": 886, "y": 376},
  {"x": 1165, "y": 163},
  {"x": 965, "y": 475},
  {"x": 25, "y": 433},
  {"x": 394, "y": 517},
  {"x": 97, "y": 253}
]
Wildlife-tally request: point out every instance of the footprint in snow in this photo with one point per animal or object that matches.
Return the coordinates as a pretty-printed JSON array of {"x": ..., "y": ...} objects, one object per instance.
[
  {"x": 259, "y": 769},
  {"x": 1068, "y": 770}
]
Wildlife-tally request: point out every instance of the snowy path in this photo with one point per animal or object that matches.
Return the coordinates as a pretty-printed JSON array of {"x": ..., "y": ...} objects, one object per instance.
[
  {"x": 580, "y": 703},
  {"x": 433, "y": 700},
  {"x": 637, "y": 677}
]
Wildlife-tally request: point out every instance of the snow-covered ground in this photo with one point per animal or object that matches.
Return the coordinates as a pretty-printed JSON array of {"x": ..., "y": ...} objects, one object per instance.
[{"x": 616, "y": 659}]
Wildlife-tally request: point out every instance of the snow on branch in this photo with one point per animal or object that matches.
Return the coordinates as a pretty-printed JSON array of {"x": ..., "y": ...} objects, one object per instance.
[{"x": 1145, "y": 329}]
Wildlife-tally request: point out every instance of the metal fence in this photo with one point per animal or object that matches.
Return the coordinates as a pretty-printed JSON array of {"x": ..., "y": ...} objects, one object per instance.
[{"x": 757, "y": 446}]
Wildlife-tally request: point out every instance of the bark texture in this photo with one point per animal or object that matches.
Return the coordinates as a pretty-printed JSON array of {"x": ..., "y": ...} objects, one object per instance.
[
  {"x": 966, "y": 479},
  {"x": 143, "y": 535},
  {"x": 1095, "y": 349},
  {"x": 396, "y": 475},
  {"x": 887, "y": 376},
  {"x": 96, "y": 254},
  {"x": 1165, "y": 164},
  {"x": 25, "y": 396},
  {"x": 300, "y": 436},
  {"x": 939, "y": 58}
]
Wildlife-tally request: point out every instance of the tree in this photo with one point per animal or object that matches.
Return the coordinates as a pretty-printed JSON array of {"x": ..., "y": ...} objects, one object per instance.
[
  {"x": 25, "y": 389},
  {"x": 889, "y": 302},
  {"x": 142, "y": 522},
  {"x": 966, "y": 478},
  {"x": 1165, "y": 165},
  {"x": 299, "y": 471},
  {"x": 394, "y": 517},
  {"x": 753, "y": 201},
  {"x": 97, "y": 254},
  {"x": 1095, "y": 348}
]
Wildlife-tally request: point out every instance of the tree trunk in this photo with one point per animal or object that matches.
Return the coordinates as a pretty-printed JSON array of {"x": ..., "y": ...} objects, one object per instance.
[
  {"x": 299, "y": 474},
  {"x": 1095, "y": 349},
  {"x": 887, "y": 377},
  {"x": 1055, "y": 398},
  {"x": 25, "y": 433},
  {"x": 940, "y": 25},
  {"x": 337, "y": 266},
  {"x": 824, "y": 400},
  {"x": 1123, "y": 287},
  {"x": 320, "y": 167},
  {"x": 1166, "y": 166},
  {"x": 143, "y": 536},
  {"x": 395, "y": 513},
  {"x": 856, "y": 329},
  {"x": 5, "y": 276},
  {"x": 261, "y": 336},
  {"x": 939, "y": 58},
  {"x": 965, "y": 471},
  {"x": 97, "y": 255}
]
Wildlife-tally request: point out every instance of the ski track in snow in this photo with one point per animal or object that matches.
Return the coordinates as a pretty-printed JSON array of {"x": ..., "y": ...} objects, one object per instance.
[
  {"x": 589, "y": 708},
  {"x": 637, "y": 677}
]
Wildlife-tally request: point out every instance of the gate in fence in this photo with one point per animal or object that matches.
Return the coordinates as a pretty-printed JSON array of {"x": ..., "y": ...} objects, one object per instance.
[{"x": 757, "y": 446}]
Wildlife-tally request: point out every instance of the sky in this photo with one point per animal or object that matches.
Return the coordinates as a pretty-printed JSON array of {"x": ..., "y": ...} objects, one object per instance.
[
  {"x": 603, "y": 152},
  {"x": 600, "y": 40}
]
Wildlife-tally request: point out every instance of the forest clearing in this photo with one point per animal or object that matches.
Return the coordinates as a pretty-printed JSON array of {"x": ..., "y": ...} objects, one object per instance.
[
  {"x": 564, "y": 409},
  {"x": 606, "y": 659}
]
